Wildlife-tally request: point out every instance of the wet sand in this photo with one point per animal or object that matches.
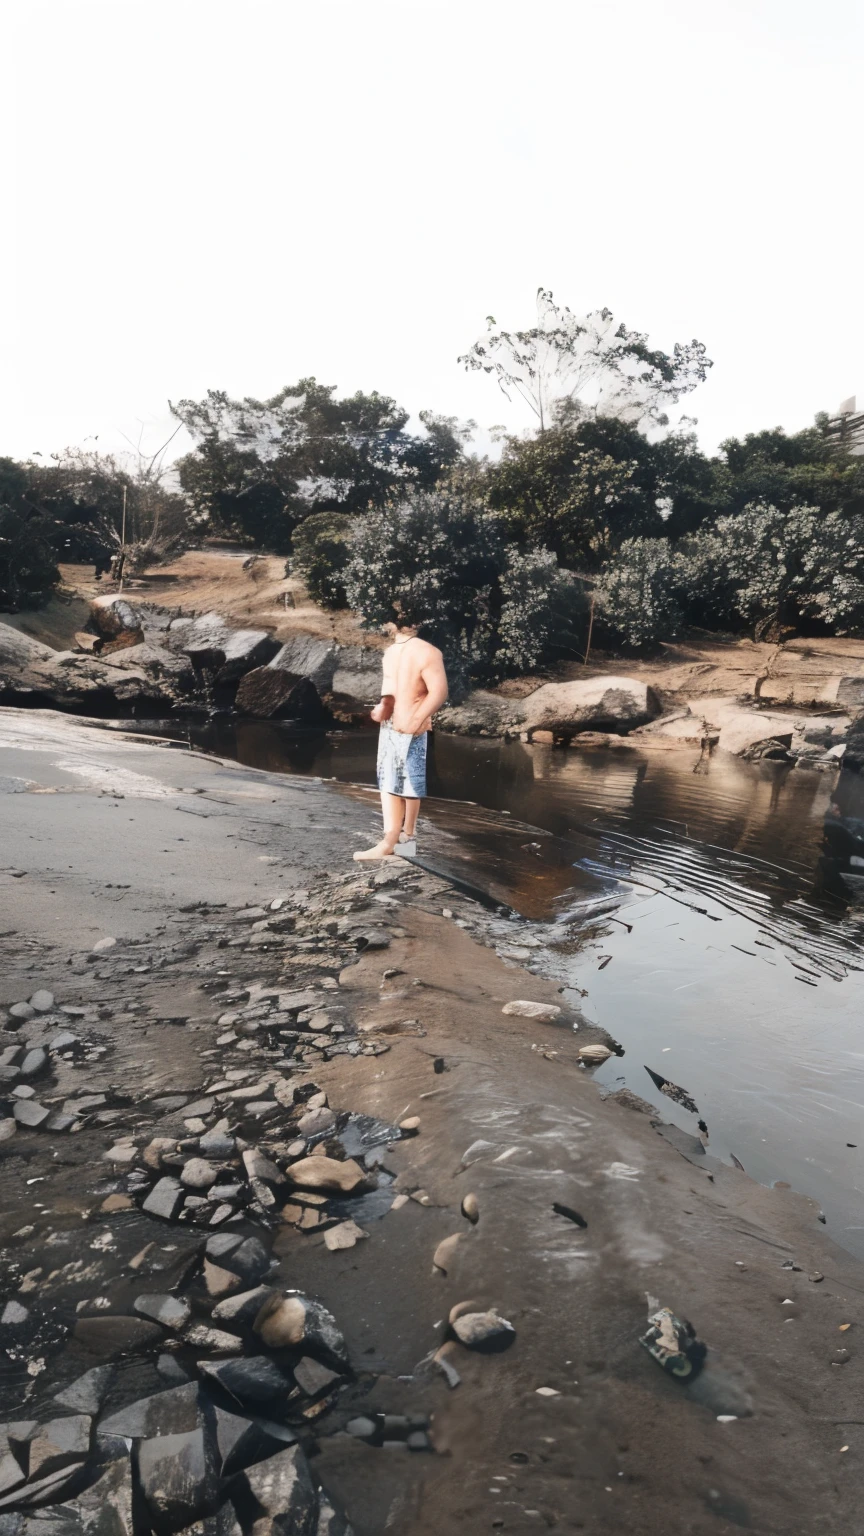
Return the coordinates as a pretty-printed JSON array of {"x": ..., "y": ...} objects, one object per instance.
[{"x": 113, "y": 837}]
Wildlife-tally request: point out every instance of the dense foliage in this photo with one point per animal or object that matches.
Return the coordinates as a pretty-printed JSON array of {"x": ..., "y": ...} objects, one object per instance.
[
  {"x": 440, "y": 560},
  {"x": 322, "y": 548},
  {"x": 261, "y": 466}
]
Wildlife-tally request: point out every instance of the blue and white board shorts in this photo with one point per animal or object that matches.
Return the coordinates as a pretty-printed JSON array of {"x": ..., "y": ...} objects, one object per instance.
[{"x": 401, "y": 763}]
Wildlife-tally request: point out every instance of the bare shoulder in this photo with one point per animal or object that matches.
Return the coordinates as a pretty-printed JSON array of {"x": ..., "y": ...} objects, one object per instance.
[{"x": 430, "y": 653}]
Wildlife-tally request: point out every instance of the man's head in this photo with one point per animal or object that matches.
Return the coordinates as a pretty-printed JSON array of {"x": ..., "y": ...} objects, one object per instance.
[{"x": 400, "y": 630}]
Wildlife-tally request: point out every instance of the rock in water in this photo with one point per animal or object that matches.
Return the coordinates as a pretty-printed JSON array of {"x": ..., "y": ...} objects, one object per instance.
[
  {"x": 312, "y": 1377},
  {"x": 544, "y": 1013},
  {"x": 173, "y": 1412},
  {"x": 170, "y": 1311},
  {"x": 252, "y": 1380},
  {"x": 58, "y": 1443},
  {"x": 484, "y": 1331},
  {"x": 177, "y": 1476},
  {"x": 594, "y": 1055},
  {"x": 269, "y": 693},
  {"x": 86, "y": 1395},
  {"x": 110, "y": 1336},
  {"x": 283, "y": 1488},
  {"x": 471, "y": 1209},
  {"x": 164, "y": 1199},
  {"x": 673, "y": 1092},
  {"x": 285, "y": 1321}
]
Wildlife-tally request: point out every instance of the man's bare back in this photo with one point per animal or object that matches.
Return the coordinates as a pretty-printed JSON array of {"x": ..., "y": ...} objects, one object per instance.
[{"x": 414, "y": 677}]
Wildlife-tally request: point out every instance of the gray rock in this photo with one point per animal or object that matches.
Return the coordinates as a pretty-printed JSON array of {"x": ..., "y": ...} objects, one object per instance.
[
  {"x": 215, "y": 1339},
  {"x": 361, "y": 1427},
  {"x": 222, "y": 1244},
  {"x": 87, "y": 1393},
  {"x": 105, "y": 1508},
  {"x": 34, "y": 1062},
  {"x": 173, "y": 1412},
  {"x": 22, "y": 1011},
  {"x": 216, "y": 1145},
  {"x": 110, "y": 1336},
  {"x": 244, "y": 1307},
  {"x": 42, "y": 1001},
  {"x": 59, "y": 1442},
  {"x": 283, "y": 1488},
  {"x": 484, "y": 1330},
  {"x": 170, "y": 1369},
  {"x": 242, "y": 1441},
  {"x": 312, "y": 1377},
  {"x": 250, "y": 1260},
  {"x": 200, "y": 1109},
  {"x": 42, "y": 1489},
  {"x": 330, "y": 1523},
  {"x": 178, "y": 1477},
  {"x": 316, "y": 1122},
  {"x": 30, "y": 1113},
  {"x": 64, "y": 1041},
  {"x": 14, "y": 1314},
  {"x": 198, "y": 1174},
  {"x": 305, "y": 656},
  {"x": 252, "y": 1380},
  {"x": 170, "y": 1311},
  {"x": 164, "y": 1199}
]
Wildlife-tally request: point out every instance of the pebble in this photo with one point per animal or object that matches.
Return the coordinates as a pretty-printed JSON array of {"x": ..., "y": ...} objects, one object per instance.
[
  {"x": 318, "y": 1172},
  {"x": 595, "y": 1054},
  {"x": 42, "y": 1001},
  {"x": 220, "y": 1342},
  {"x": 30, "y": 1113},
  {"x": 345, "y": 1235},
  {"x": 22, "y": 1011},
  {"x": 101, "y": 945},
  {"x": 411, "y": 1125},
  {"x": 445, "y": 1252},
  {"x": 523, "y": 1009},
  {"x": 14, "y": 1313},
  {"x": 476, "y": 1329},
  {"x": 198, "y": 1173},
  {"x": 471, "y": 1209}
]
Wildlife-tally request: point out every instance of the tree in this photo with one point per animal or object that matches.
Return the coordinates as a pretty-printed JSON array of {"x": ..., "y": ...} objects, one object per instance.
[
  {"x": 28, "y": 562},
  {"x": 322, "y": 549},
  {"x": 807, "y": 468},
  {"x": 441, "y": 560},
  {"x": 261, "y": 466},
  {"x": 596, "y": 365},
  {"x": 582, "y": 487}
]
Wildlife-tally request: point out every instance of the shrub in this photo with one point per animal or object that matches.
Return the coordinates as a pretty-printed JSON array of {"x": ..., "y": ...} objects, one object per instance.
[
  {"x": 438, "y": 559},
  {"x": 322, "y": 548},
  {"x": 637, "y": 592}
]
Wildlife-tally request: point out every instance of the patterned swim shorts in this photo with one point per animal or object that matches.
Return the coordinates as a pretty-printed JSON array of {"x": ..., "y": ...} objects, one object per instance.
[{"x": 401, "y": 763}]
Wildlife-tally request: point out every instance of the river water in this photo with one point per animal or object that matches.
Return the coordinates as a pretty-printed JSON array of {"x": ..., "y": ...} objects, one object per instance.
[{"x": 722, "y": 960}]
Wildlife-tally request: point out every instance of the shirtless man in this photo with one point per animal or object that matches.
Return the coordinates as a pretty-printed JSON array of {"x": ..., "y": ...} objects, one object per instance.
[{"x": 414, "y": 687}]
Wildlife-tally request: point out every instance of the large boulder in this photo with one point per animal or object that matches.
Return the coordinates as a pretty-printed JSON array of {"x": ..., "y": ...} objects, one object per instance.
[
  {"x": 751, "y": 733},
  {"x": 271, "y": 694},
  {"x": 32, "y": 673},
  {"x": 597, "y": 703},
  {"x": 480, "y": 714},
  {"x": 307, "y": 656},
  {"x": 356, "y": 684},
  {"x": 212, "y": 645}
]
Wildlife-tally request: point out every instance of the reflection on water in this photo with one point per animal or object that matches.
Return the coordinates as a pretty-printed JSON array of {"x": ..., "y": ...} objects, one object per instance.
[{"x": 733, "y": 970}]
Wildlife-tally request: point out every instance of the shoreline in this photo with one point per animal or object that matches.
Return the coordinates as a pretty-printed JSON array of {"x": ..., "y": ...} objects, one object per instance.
[{"x": 699, "y": 1235}]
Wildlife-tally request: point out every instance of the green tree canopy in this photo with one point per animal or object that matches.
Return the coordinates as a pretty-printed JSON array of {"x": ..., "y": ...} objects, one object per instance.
[{"x": 261, "y": 466}]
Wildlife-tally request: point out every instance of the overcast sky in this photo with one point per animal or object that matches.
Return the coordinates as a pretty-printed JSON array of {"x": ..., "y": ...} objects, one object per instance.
[{"x": 237, "y": 193}]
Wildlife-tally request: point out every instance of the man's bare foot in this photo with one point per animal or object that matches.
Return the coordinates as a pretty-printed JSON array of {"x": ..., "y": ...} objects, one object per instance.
[{"x": 382, "y": 850}]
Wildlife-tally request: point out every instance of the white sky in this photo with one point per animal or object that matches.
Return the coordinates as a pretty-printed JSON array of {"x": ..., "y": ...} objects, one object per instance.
[{"x": 235, "y": 193}]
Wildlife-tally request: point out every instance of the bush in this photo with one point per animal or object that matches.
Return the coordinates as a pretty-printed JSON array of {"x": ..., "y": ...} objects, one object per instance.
[
  {"x": 322, "y": 548},
  {"x": 438, "y": 559},
  {"x": 28, "y": 563},
  {"x": 637, "y": 593}
]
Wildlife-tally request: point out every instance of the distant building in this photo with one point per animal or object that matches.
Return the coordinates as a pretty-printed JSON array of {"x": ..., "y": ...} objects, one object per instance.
[{"x": 847, "y": 426}]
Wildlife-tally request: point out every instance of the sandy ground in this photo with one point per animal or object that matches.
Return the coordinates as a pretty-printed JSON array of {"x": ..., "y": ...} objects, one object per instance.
[{"x": 114, "y": 837}]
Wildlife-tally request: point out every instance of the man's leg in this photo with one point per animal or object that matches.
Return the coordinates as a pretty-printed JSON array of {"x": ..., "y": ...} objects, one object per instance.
[
  {"x": 412, "y": 811},
  {"x": 393, "y": 810}
]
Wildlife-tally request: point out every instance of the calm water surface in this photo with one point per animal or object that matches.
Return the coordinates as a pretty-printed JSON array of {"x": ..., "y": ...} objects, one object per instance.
[{"x": 728, "y": 966}]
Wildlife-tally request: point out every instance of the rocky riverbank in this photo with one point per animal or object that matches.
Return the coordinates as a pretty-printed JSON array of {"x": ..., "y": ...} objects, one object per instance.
[{"x": 305, "y": 1221}]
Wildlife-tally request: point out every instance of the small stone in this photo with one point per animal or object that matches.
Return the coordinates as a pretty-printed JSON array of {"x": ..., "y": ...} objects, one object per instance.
[
  {"x": 113, "y": 1203},
  {"x": 217, "y": 1145},
  {"x": 34, "y": 1062},
  {"x": 101, "y": 945},
  {"x": 542, "y": 1012},
  {"x": 245, "y": 1306},
  {"x": 841, "y": 1357},
  {"x": 42, "y": 1001},
  {"x": 312, "y": 1377},
  {"x": 483, "y": 1330},
  {"x": 170, "y": 1311},
  {"x": 547, "y": 1392},
  {"x": 361, "y": 1427},
  {"x": 8, "y": 1129},
  {"x": 410, "y": 1126},
  {"x": 164, "y": 1199},
  {"x": 222, "y": 1343},
  {"x": 295, "y": 1319},
  {"x": 471, "y": 1209},
  {"x": 87, "y": 1393},
  {"x": 318, "y": 1172},
  {"x": 446, "y": 1252},
  {"x": 595, "y": 1054},
  {"x": 345, "y": 1235},
  {"x": 30, "y": 1113},
  {"x": 153, "y": 1152},
  {"x": 14, "y": 1314},
  {"x": 219, "y": 1281},
  {"x": 22, "y": 1012},
  {"x": 260, "y": 1167},
  {"x": 122, "y": 1152},
  {"x": 316, "y": 1122},
  {"x": 198, "y": 1173}
]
